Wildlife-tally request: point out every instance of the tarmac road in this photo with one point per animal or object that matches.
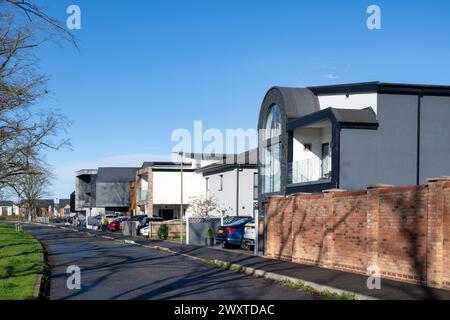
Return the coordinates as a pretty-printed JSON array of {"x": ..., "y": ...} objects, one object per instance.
[{"x": 112, "y": 270}]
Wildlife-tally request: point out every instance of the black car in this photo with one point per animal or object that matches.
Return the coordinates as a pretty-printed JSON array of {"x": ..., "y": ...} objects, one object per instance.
[
  {"x": 232, "y": 234},
  {"x": 145, "y": 222}
]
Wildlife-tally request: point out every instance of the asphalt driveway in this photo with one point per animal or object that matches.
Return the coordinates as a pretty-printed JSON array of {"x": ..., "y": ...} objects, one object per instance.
[{"x": 111, "y": 270}]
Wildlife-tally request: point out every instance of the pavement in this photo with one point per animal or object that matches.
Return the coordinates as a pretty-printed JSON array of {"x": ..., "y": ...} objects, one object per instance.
[
  {"x": 319, "y": 278},
  {"x": 115, "y": 270}
]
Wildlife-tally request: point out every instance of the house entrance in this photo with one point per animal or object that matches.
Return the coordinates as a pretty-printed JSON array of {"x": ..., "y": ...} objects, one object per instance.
[{"x": 166, "y": 214}]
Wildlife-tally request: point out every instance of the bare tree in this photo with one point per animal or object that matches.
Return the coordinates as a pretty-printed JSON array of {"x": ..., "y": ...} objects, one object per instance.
[
  {"x": 33, "y": 186},
  {"x": 26, "y": 132}
]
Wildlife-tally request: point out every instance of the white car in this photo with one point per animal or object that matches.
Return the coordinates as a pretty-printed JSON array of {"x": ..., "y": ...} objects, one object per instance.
[
  {"x": 144, "y": 231},
  {"x": 249, "y": 238}
]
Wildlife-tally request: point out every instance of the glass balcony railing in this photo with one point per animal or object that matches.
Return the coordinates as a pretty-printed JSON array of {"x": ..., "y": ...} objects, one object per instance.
[
  {"x": 309, "y": 170},
  {"x": 142, "y": 195}
]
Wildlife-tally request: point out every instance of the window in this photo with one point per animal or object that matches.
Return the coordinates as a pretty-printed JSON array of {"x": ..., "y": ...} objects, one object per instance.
[
  {"x": 272, "y": 152},
  {"x": 221, "y": 182},
  {"x": 255, "y": 186},
  {"x": 207, "y": 186},
  {"x": 272, "y": 169},
  {"x": 307, "y": 147},
  {"x": 326, "y": 161},
  {"x": 273, "y": 123}
]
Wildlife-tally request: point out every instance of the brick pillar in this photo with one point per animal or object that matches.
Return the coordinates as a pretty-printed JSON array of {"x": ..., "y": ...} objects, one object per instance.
[
  {"x": 150, "y": 192},
  {"x": 328, "y": 247},
  {"x": 373, "y": 211},
  {"x": 435, "y": 237}
]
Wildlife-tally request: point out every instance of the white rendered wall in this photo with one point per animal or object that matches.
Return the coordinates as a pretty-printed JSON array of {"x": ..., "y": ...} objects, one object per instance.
[
  {"x": 246, "y": 192},
  {"x": 167, "y": 186},
  {"x": 353, "y": 101},
  {"x": 226, "y": 198},
  {"x": 308, "y": 163}
]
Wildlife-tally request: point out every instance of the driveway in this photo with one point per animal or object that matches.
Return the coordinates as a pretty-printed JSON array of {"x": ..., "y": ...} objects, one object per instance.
[{"x": 112, "y": 270}]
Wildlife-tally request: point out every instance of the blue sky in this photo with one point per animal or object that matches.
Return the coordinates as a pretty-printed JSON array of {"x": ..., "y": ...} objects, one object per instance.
[{"x": 146, "y": 68}]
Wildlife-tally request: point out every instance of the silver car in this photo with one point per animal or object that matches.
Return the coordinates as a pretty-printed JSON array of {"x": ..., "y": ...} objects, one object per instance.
[{"x": 248, "y": 241}]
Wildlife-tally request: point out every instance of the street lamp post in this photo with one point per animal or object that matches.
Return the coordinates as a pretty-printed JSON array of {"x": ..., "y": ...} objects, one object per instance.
[
  {"x": 181, "y": 154},
  {"x": 181, "y": 205}
]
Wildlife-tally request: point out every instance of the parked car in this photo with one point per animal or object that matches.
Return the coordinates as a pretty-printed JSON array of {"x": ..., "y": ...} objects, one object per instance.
[
  {"x": 116, "y": 225},
  {"x": 249, "y": 239},
  {"x": 146, "y": 221},
  {"x": 232, "y": 234},
  {"x": 144, "y": 231},
  {"x": 137, "y": 219}
]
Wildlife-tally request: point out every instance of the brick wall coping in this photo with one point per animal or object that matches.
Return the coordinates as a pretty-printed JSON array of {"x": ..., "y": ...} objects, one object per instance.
[
  {"x": 334, "y": 190},
  {"x": 380, "y": 186},
  {"x": 441, "y": 178}
]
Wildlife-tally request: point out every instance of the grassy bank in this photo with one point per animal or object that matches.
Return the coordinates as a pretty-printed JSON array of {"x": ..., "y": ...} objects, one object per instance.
[{"x": 20, "y": 263}]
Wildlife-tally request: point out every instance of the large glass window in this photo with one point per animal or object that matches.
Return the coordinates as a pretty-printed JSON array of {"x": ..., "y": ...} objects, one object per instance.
[
  {"x": 272, "y": 151},
  {"x": 255, "y": 186},
  {"x": 272, "y": 169},
  {"x": 273, "y": 123}
]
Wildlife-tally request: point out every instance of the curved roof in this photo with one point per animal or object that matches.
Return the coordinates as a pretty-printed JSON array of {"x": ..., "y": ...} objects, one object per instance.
[
  {"x": 298, "y": 101},
  {"x": 294, "y": 103}
]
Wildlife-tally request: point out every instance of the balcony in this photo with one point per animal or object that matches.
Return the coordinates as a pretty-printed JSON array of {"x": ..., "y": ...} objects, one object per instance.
[
  {"x": 142, "y": 196},
  {"x": 309, "y": 171},
  {"x": 83, "y": 204}
]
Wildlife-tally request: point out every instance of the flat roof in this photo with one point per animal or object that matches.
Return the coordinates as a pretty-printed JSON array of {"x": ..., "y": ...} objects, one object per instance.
[{"x": 382, "y": 87}]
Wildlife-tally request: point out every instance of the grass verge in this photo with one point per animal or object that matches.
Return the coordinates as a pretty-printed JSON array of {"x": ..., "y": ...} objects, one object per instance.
[
  {"x": 20, "y": 264},
  {"x": 297, "y": 284}
]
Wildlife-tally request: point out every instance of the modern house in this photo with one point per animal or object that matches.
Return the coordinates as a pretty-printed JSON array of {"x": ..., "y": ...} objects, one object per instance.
[
  {"x": 104, "y": 190},
  {"x": 233, "y": 184},
  {"x": 158, "y": 187},
  {"x": 8, "y": 208},
  {"x": 351, "y": 136}
]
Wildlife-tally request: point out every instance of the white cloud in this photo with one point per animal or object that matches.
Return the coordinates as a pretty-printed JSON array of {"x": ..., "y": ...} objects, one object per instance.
[{"x": 332, "y": 76}]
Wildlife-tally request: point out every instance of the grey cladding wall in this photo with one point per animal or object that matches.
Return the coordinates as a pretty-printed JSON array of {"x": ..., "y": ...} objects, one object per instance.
[
  {"x": 387, "y": 155},
  {"x": 114, "y": 194},
  {"x": 434, "y": 137}
]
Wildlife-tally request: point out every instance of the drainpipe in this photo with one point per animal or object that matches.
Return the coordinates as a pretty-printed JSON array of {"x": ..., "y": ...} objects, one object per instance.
[
  {"x": 237, "y": 190},
  {"x": 419, "y": 114}
]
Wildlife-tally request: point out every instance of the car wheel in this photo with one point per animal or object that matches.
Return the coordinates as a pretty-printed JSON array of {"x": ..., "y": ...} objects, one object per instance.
[{"x": 244, "y": 245}]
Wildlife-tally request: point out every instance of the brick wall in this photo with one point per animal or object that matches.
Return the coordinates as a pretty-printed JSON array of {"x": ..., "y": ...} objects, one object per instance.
[
  {"x": 446, "y": 232},
  {"x": 404, "y": 231}
]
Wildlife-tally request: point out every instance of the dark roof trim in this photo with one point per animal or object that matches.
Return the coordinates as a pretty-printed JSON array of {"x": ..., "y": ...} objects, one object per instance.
[
  {"x": 209, "y": 171},
  {"x": 347, "y": 118},
  {"x": 172, "y": 169},
  {"x": 163, "y": 164},
  {"x": 206, "y": 156},
  {"x": 6, "y": 203},
  {"x": 383, "y": 87}
]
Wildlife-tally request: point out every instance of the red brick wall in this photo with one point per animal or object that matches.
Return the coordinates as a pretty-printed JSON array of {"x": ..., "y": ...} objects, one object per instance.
[
  {"x": 404, "y": 231},
  {"x": 446, "y": 232},
  {"x": 309, "y": 230},
  {"x": 402, "y": 242}
]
